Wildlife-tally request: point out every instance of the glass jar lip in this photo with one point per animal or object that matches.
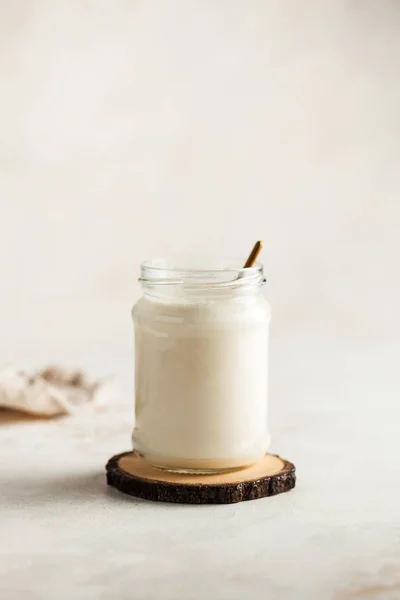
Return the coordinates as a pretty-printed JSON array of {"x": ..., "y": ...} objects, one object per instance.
[
  {"x": 166, "y": 264},
  {"x": 223, "y": 273}
]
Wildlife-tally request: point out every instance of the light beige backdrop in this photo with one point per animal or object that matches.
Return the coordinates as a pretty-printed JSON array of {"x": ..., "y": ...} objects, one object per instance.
[
  {"x": 129, "y": 129},
  {"x": 138, "y": 128}
]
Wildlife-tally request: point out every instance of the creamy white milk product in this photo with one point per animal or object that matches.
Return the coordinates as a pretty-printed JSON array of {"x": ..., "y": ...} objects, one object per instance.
[{"x": 201, "y": 374}]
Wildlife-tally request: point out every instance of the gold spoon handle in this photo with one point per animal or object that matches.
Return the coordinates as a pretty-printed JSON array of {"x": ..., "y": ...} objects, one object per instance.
[{"x": 253, "y": 255}]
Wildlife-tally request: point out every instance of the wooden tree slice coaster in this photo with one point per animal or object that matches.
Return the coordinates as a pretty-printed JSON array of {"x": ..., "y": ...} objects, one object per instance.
[{"x": 134, "y": 476}]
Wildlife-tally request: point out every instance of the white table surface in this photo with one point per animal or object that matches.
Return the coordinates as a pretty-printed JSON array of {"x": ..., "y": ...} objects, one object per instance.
[{"x": 334, "y": 413}]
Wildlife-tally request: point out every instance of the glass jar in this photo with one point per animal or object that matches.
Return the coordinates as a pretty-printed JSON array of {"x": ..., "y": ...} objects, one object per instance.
[{"x": 201, "y": 367}]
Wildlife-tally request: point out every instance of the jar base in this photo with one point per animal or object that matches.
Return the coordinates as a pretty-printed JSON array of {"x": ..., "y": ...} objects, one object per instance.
[
  {"x": 201, "y": 469},
  {"x": 197, "y": 471}
]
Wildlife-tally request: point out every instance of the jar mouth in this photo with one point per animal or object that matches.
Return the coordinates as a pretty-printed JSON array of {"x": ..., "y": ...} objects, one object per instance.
[{"x": 200, "y": 274}]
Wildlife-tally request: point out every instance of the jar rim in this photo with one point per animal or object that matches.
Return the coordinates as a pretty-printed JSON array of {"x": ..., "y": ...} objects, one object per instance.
[{"x": 223, "y": 273}]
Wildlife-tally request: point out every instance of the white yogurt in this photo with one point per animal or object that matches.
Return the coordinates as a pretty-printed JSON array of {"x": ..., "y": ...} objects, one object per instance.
[{"x": 202, "y": 377}]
